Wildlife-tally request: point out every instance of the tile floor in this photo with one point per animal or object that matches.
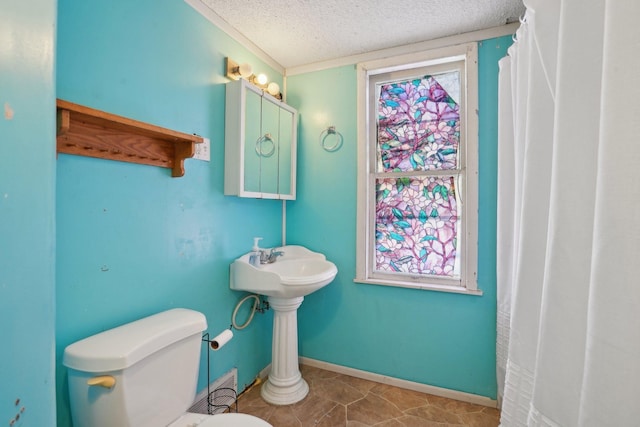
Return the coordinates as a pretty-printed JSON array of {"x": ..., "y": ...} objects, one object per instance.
[{"x": 336, "y": 400}]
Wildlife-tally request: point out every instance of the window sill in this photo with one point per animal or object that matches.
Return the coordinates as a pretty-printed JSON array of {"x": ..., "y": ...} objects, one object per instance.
[{"x": 421, "y": 286}]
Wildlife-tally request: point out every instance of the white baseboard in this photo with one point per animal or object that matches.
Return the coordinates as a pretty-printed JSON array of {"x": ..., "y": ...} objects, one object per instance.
[
  {"x": 265, "y": 372},
  {"x": 396, "y": 382}
]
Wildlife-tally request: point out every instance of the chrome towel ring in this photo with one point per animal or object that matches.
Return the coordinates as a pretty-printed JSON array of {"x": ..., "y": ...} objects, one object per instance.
[{"x": 330, "y": 139}]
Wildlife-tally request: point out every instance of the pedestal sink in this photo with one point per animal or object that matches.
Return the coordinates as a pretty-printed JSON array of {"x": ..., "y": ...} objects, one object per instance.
[{"x": 294, "y": 275}]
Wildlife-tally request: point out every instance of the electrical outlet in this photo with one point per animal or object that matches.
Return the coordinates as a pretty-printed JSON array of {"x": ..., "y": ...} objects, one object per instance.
[{"x": 203, "y": 150}]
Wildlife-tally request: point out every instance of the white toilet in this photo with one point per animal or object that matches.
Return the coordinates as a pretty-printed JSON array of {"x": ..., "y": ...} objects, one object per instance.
[{"x": 143, "y": 374}]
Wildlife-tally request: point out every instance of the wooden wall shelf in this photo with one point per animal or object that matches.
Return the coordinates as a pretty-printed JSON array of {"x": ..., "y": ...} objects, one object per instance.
[{"x": 84, "y": 131}]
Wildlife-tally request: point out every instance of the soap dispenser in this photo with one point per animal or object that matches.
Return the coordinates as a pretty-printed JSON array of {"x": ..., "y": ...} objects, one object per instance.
[{"x": 254, "y": 257}]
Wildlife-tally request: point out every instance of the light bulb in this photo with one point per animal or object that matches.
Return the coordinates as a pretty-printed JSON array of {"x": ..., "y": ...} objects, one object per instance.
[
  {"x": 273, "y": 89},
  {"x": 244, "y": 70},
  {"x": 261, "y": 79}
]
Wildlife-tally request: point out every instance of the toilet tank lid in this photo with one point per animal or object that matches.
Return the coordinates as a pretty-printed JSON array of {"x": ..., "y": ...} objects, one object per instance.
[{"x": 121, "y": 347}]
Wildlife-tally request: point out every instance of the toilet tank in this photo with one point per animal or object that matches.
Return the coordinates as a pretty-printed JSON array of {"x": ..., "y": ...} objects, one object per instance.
[{"x": 146, "y": 371}]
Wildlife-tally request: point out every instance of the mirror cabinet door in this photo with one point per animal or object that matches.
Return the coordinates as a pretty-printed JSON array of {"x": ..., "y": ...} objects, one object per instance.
[
  {"x": 286, "y": 160},
  {"x": 269, "y": 147},
  {"x": 252, "y": 134}
]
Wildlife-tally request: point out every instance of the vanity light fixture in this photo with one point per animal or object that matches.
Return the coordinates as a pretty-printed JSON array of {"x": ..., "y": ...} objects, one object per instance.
[{"x": 237, "y": 71}]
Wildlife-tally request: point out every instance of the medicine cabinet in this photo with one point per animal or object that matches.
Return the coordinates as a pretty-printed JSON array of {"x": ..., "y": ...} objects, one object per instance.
[{"x": 260, "y": 144}]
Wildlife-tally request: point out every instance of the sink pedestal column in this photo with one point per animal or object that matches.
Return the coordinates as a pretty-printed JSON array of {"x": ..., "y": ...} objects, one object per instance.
[{"x": 285, "y": 385}]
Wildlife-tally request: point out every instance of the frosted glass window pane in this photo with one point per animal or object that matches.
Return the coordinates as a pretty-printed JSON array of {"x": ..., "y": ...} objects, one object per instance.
[
  {"x": 417, "y": 224},
  {"x": 418, "y": 125}
]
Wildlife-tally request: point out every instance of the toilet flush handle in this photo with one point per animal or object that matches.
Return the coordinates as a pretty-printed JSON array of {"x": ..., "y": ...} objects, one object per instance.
[{"x": 106, "y": 381}]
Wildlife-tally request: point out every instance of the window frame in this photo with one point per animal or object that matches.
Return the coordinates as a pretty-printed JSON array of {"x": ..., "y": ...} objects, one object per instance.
[{"x": 365, "y": 240}]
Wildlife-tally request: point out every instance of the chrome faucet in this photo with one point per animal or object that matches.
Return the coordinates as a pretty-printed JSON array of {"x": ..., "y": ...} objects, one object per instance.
[{"x": 271, "y": 257}]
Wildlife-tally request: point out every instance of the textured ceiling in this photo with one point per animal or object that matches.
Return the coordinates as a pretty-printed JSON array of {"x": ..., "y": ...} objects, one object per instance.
[{"x": 302, "y": 32}]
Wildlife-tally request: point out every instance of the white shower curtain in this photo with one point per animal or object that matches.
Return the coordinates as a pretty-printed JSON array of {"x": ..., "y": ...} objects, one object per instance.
[{"x": 569, "y": 217}]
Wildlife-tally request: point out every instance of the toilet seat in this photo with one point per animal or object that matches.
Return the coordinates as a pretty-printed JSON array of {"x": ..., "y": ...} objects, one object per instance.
[
  {"x": 234, "y": 420},
  {"x": 219, "y": 420}
]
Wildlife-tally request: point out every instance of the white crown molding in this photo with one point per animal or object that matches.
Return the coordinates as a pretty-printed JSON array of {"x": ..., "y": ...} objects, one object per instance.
[
  {"x": 216, "y": 20},
  {"x": 474, "y": 36}
]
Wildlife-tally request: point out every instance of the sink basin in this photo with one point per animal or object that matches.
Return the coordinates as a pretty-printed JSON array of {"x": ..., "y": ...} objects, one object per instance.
[
  {"x": 297, "y": 273},
  {"x": 286, "y": 282}
]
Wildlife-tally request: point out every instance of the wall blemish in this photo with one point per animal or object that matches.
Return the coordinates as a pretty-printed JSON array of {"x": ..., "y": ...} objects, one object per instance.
[
  {"x": 16, "y": 418},
  {"x": 8, "y": 111}
]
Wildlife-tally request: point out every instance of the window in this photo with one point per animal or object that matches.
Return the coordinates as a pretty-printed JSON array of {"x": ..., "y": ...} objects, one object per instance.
[{"x": 417, "y": 171}]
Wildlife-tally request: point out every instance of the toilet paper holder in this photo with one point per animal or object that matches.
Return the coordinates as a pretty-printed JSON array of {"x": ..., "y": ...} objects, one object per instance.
[{"x": 221, "y": 399}]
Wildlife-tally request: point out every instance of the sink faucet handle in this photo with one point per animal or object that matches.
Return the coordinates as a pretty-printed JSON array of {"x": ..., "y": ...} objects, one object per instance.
[{"x": 273, "y": 255}]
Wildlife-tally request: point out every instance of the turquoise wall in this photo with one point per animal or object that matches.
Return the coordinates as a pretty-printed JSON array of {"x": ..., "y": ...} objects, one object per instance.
[
  {"x": 132, "y": 240},
  {"x": 27, "y": 207},
  {"x": 441, "y": 339},
  {"x": 89, "y": 244}
]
